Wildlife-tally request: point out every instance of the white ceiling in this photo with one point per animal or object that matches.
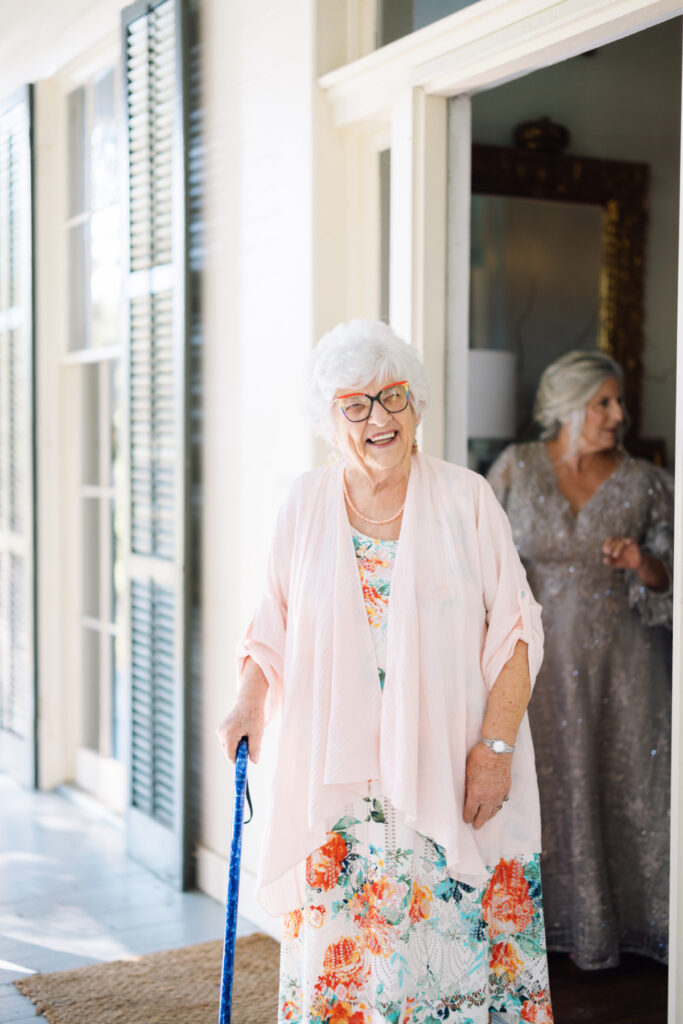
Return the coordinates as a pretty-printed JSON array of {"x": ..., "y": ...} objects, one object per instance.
[{"x": 38, "y": 37}]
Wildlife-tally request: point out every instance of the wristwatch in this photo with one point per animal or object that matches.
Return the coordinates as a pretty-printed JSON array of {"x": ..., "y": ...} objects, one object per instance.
[{"x": 498, "y": 746}]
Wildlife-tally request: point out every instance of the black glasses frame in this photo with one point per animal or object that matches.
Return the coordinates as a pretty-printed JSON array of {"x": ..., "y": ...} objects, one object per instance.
[{"x": 376, "y": 398}]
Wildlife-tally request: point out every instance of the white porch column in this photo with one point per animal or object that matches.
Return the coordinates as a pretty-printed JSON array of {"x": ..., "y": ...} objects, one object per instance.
[{"x": 418, "y": 242}]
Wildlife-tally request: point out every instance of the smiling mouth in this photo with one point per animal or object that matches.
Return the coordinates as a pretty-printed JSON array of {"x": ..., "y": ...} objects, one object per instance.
[{"x": 383, "y": 439}]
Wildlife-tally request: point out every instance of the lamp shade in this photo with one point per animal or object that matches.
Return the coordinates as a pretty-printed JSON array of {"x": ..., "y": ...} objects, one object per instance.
[{"x": 491, "y": 394}]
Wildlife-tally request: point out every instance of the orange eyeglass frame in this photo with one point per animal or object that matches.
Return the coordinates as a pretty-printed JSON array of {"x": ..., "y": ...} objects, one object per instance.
[{"x": 362, "y": 394}]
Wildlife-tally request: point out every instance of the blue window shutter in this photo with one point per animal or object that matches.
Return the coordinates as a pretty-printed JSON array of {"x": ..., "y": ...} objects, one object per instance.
[{"x": 154, "y": 38}]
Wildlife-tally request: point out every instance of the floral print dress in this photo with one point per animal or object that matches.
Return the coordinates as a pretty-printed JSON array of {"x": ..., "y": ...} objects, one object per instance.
[{"x": 386, "y": 935}]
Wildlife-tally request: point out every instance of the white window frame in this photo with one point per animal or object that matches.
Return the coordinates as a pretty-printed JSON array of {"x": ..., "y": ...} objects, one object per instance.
[
  {"x": 60, "y": 369},
  {"x": 97, "y": 771},
  {"x": 403, "y": 88}
]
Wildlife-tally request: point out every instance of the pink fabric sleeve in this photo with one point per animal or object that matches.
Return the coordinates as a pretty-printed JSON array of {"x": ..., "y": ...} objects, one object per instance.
[
  {"x": 264, "y": 640},
  {"x": 512, "y": 614}
]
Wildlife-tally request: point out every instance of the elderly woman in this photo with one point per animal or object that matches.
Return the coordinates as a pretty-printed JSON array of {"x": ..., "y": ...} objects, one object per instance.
[
  {"x": 399, "y": 637},
  {"x": 594, "y": 530}
]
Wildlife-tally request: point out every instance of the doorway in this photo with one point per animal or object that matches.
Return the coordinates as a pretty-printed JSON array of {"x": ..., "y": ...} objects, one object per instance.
[{"x": 537, "y": 290}]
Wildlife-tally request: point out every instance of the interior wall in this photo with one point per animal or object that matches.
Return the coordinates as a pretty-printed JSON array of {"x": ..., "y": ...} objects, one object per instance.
[
  {"x": 278, "y": 223},
  {"x": 257, "y": 101},
  {"x": 623, "y": 102}
]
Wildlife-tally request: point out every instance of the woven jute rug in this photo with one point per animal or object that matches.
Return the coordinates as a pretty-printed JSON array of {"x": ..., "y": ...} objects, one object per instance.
[{"x": 181, "y": 986}]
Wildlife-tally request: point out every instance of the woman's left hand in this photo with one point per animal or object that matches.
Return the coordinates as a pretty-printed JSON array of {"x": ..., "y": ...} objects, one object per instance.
[
  {"x": 622, "y": 553},
  {"x": 487, "y": 784}
]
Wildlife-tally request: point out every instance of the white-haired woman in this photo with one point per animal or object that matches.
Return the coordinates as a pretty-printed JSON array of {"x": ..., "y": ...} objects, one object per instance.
[
  {"x": 593, "y": 527},
  {"x": 398, "y": 634}
]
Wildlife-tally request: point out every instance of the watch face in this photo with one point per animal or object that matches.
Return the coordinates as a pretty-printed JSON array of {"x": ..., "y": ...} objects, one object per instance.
[{"x": 498, "y": 746}]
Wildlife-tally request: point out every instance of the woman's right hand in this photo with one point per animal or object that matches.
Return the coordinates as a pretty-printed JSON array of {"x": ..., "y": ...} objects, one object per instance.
[
  {"x": 244, "y": 720},
  {"x": 247, "y": 718}
]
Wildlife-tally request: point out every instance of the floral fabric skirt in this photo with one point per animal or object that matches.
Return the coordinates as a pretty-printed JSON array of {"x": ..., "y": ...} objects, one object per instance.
[{"x": 387, "y": 936}]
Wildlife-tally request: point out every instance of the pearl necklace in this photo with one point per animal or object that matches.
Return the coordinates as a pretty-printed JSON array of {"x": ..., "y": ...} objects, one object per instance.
[{"x": 366, "y": 519}]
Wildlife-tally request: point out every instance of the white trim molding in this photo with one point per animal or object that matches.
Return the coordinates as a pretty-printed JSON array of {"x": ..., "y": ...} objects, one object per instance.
[
  {"x": 212, "y": 878},
  {"x": 458, "y": 278},
  {"x": 484, "y": 44},
  {"x": 418, "y": 242},
  {"x": 103, "y": 777}
]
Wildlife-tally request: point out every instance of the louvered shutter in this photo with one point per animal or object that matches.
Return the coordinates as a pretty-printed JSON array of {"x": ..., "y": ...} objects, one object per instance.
[
  {"x": 157, "y": 422},
  {"x": 18, "y": 752}
]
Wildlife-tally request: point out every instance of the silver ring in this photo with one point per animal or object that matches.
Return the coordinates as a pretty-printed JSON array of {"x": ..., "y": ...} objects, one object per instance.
[{"x": 506, "y": 798}]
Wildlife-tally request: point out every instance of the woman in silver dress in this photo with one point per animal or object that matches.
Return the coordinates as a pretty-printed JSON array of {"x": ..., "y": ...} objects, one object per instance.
[{"x": 594, "y": 529}]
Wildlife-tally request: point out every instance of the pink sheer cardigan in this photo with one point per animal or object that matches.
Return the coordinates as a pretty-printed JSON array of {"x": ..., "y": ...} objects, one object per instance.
[{"x": 459, "y": 603}]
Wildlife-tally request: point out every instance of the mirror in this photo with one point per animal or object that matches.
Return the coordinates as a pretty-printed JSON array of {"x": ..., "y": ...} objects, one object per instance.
[
  {"x": 535, "y": 286},
  {"x": 550, "y": 207}
]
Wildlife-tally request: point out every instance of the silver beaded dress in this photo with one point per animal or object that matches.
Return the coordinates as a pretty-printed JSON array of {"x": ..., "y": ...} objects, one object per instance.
[{"x": 601, "y": 708}]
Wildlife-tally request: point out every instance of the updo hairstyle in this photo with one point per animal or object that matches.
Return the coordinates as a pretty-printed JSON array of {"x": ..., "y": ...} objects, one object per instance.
[{"x": 566, "y": 386}]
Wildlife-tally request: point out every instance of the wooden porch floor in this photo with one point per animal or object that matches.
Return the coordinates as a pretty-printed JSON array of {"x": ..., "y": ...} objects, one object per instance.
[{"x": 70, "y": 896}]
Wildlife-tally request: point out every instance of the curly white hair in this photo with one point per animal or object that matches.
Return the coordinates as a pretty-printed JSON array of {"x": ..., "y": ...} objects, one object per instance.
[{"x": 354, "y": 354}]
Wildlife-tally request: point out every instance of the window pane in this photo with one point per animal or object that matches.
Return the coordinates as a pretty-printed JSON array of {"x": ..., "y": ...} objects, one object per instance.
[
  {"x": 398, "y": 18},
  {"x": 90, "y": 555},
  {"x": 115, "y": 472},
  {"x": 104, "y": 143},
  {"x": 119, "y": 699},
  {"x": 105, "y": 278},
  {"x": 78, "y": 313},
  {"x": 77, "y": 177},
  {"x": 90, "y": 422},
  {"x": 5, "y": 256},
  {"x": 116, "y": 569},
  {"x": 116, "y": 413},
  {"x": 90, "y": 696},
  {"x": 385, "y": 237},
  {"x": 428, "y": 11},
  {"x": 394, "y": 19}
]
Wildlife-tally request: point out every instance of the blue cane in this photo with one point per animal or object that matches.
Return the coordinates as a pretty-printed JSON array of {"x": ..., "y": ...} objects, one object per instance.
[{"x": 241, "y": 787}]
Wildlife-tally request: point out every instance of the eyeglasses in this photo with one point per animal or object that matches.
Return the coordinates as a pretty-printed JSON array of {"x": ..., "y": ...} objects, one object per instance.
[{"x": 358, "y": 406}]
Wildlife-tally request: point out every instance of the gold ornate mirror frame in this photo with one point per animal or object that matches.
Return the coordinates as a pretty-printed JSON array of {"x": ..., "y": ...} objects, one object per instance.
[{"x": 621, "y": 190}]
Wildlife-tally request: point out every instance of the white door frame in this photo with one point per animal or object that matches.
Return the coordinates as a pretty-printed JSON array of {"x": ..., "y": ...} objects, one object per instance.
[
  {"x": 402, "y": 88},
  {"x": 417, "y": 258}
]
